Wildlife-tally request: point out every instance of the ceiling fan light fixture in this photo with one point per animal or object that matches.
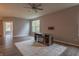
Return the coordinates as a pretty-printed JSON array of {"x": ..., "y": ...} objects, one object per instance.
[{"x": 35, "y": 6}]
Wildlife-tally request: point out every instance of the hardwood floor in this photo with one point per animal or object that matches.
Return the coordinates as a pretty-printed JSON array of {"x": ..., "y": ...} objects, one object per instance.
[
  {"x": 71, "y": 51},
  {"x": 9, "y": 48}
]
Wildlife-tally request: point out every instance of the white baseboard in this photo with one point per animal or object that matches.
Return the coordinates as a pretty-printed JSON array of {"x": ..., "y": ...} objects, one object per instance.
[
  {"x": 66, "y": 43},
  {"x": 20, "y": 35}
]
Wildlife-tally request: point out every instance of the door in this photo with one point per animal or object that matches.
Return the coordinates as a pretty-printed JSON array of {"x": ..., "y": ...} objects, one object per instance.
[{"x": 8, "y": 33}]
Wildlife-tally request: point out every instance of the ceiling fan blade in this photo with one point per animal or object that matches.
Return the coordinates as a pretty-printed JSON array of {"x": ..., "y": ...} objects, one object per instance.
[{"x": 34, "y": 6}]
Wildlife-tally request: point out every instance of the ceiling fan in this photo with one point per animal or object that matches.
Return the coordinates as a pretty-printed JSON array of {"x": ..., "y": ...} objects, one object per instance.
[{"x": 35, "y": 6}]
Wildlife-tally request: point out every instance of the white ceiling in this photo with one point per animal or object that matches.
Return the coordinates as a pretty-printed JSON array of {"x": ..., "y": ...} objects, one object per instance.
[{"x": 18, "y": 10}]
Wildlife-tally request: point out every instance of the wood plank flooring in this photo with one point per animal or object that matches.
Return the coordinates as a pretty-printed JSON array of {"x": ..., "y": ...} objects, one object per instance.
[{"x": 9, "y": 48}]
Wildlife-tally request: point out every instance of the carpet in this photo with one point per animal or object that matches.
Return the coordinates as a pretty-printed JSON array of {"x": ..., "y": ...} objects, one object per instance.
[{"x": 32, "y": 48}]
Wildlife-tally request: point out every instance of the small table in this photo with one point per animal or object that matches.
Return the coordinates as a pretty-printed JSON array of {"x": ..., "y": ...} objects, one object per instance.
[{"x": 47, "y": 38}]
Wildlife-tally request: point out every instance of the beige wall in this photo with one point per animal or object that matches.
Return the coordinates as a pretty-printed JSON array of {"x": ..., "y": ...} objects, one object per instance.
[
  {"x": 20, "y": 26},
  {"x": 65, "y": 23}
]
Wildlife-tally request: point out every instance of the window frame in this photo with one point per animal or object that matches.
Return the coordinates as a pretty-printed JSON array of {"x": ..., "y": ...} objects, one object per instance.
[{"x": 35, "y": 26}]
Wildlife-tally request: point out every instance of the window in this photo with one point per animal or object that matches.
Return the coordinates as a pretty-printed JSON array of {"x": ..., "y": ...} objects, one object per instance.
[
  {"x": 36, "y": 26},
  {"x": 7, "y": 24}
]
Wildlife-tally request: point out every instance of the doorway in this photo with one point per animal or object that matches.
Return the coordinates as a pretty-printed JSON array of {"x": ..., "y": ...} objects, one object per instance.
[{"x": 8, "y": 33}]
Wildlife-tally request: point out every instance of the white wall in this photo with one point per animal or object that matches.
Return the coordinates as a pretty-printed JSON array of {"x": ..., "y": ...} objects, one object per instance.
[{"x": 65, "y": 23}]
